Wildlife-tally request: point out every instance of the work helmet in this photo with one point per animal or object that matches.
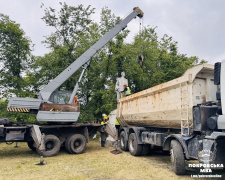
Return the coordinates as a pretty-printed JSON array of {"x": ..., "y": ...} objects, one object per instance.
[{"x": 124, "y": 85}]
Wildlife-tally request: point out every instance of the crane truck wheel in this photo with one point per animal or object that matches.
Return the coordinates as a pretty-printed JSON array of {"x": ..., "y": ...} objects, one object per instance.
[
  {"x": 123, "y": 142},
  {"x": 134, "y": 148},
  {"x": 52, "y": 146},
  {"x": 31, "y": 145},
  {"x": 76, "y": 144},
  {"x": 67, "y": 145},
  {"x": 177, "y": 157}
]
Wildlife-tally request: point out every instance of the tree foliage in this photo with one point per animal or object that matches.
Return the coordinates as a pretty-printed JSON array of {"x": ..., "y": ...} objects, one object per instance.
[
  {"x": 14, "y": 56},
  {"x": 162, "y": 62},
  {"x": 75, "y": 32}
]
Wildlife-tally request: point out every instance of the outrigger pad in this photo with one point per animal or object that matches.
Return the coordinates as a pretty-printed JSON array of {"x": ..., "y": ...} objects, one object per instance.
[
  {"x": 42, "y": 162},
  {"x": 116, "y": 151}
]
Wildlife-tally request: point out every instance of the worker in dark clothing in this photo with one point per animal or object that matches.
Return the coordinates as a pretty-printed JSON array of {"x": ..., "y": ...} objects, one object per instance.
[
  {"x": 117, "y": 125},
  {"x": 103, "y": 134},
  {"x": 126, "y": 90},
  {"x": 104, "y": 121}
]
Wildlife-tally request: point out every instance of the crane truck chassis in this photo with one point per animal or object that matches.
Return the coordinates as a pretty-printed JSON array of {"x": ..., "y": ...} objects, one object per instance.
[
  {"x": 49, "y": 138},
  {"x": 56, "y": 108},
  {"x": 185, "y": 116}
]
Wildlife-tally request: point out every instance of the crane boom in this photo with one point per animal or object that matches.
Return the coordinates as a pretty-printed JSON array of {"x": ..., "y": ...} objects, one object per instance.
[
  {"x": 44, "y": 106},
  {"x": 86, "y": 56}
]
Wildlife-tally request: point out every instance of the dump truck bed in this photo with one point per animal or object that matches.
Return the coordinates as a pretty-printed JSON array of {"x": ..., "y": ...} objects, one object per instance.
[{"x": 169, "y": 105}]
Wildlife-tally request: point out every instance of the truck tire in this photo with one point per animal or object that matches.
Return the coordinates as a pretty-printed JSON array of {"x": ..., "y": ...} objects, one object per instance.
[
  {"x": 67, "y": 145},
  {"x": 31, "y": 145},
  {"x": 123, "y": 142},
  {"x": 177, "y": 157},
  {"x": 76, "y": 144},
  {"x": 134, "y": 148},
  {"x": 52, "y": 146}
]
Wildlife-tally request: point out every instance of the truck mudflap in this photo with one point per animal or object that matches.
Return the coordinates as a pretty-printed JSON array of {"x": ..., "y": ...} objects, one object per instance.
[
  {"x": 213, "y": 149},
  {"x": 38, "y": 137},
  {"x": 179, "y": 138},
  {"x": 1, "y": 130},
  {"x": 207, "y": 153}
]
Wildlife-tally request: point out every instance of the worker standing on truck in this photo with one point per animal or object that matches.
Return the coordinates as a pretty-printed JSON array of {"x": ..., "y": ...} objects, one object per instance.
[
  {"x": 119, "y": 85},
  {"x": 126, "y": 90},
  {"x": 75, "y": 102}
]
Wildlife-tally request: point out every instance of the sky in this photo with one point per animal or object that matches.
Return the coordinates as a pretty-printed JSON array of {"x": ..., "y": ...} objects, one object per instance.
[{"x": 197, "y": 25}]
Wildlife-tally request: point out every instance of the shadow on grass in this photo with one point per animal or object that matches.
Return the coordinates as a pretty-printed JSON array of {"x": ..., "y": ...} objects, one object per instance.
[
  {"x": 11, "y": 151},
  {"x": 23, "y": 150}
]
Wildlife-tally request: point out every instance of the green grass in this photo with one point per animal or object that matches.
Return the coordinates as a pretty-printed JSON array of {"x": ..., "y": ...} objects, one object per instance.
[{"x": 96, "y": 163}]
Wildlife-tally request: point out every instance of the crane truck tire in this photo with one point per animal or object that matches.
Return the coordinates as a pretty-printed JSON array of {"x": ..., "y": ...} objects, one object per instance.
[
  {"x": 30, "y": 144},
  {"x": 177, "y": 157},
  {"x": 76, "y": 144},
  {"x": 67, "y": 145},
  {"x": 52, "y": 146},
  {"x": 134, "y": 148},
  {"x": 123, "y": 142}
]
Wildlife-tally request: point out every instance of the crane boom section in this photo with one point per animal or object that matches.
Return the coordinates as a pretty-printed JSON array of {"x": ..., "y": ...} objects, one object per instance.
[{"x": 86, "y": 56}]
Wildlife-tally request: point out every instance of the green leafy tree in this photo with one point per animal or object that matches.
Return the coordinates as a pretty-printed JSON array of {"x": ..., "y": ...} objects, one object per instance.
[
  {"x": 17, "y": 117},
  {"x": 15, "y": 57},
  {"x": 103, "y": 71},
  {"x": 75, "y": 33},
  {"x": 162, "y": 62}
]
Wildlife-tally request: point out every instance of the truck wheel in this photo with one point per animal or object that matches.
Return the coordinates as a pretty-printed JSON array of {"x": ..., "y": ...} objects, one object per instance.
[
  {"x": 67, "y": 145},
  {"x": 134, "y": 148},
  {"x": 145, "y": 149},
  {"x": 52, "y": 146},
  {"x": 177, "y": 157},
  {"x": 31, "y": 145},
  {"x": 123, "y": 142},
  {"x": 76, "y": 144}
]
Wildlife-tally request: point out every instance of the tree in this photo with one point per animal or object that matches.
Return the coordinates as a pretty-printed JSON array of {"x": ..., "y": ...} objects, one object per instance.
[
  {"x": 75, "y": 33},
  {"x": 15, "y": 57},
  {"x": 162, "y": 62}
]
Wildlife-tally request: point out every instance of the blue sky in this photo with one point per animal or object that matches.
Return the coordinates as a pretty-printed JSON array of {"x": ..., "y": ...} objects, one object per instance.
[{"x": 198, "y": 26}]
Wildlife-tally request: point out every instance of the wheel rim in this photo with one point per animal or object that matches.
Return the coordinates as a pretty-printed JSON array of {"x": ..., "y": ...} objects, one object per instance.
[
  {"x": 131, "y": 144},
  {"x": 49, "y": 145},
  {"x": 77, "y": 144},
  {"x": 122, "y": 141}
]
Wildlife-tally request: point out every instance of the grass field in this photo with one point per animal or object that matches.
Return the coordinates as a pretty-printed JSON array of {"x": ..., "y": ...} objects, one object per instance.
[{"x": 96, "y": 163}]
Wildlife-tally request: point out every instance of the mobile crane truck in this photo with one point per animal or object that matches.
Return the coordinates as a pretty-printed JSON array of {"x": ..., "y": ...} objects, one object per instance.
[
  {"x": 185, "y": 116},
  {"x": 56, "y": 108}
]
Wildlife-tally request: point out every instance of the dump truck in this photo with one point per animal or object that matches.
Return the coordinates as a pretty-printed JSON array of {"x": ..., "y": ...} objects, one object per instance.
[
  {"x": 56, "y": 108},
  {"x": 184, "y": 116}
]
